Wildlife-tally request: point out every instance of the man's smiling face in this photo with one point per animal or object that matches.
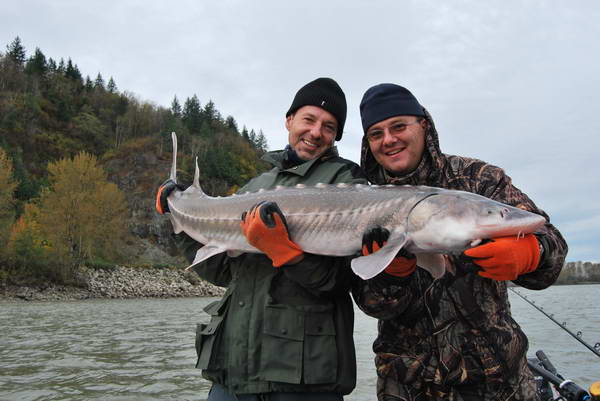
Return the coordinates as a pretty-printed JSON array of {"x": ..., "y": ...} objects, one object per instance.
[
  {"x": 312, "y": 130},
  {"x": 398, "y": 143}
]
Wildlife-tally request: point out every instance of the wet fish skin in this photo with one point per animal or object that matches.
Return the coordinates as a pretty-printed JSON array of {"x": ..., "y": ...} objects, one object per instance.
[{"x": 331, "y": 219}]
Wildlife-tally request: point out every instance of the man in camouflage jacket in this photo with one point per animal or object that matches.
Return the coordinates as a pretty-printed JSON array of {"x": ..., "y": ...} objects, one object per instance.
[{"x": 454, "y": 337}]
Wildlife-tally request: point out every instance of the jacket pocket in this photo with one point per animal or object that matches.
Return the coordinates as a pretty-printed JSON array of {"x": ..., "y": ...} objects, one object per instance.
[
  {"x": 283, "y": 335},
  {"x": 208, "y": 336},
  {"x": 320, "y": 349},
  {"x": 298, "y": 346}
]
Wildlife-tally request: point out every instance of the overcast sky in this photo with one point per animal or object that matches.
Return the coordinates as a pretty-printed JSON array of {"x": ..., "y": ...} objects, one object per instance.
[{"x": 514, "y": 83}]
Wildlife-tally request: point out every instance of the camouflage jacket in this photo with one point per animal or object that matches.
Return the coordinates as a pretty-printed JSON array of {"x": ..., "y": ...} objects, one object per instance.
[{"x": 457, "y": 329}]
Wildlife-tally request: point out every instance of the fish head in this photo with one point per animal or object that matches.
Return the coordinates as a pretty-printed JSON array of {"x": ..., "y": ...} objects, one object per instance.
[{"x": 455, "y": 220}]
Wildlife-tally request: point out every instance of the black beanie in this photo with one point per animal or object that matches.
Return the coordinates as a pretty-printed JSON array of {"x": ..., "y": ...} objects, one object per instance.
[
  {"x": 326, "y": 94},
  {"x": 383, "y": 101}
]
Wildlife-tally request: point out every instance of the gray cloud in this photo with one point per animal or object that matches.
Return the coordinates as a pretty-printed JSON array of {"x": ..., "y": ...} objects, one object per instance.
[{"x": 510, "y": 82}]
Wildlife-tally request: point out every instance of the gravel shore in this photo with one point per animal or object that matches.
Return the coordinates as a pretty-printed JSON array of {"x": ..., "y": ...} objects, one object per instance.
[{"x": 120, "y": 282}]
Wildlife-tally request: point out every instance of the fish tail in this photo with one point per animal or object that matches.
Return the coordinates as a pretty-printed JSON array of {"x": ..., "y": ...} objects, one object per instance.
[
  {"x": 174, "y": 165},
  {"x": 196, "y": 183}
]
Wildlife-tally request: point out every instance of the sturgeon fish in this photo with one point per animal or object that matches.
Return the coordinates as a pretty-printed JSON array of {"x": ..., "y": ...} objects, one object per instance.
[{"x": 331, "y": 219}]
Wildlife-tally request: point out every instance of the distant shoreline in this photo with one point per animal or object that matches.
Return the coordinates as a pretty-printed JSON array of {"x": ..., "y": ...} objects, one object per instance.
[
  {"x": 118, "y": 283},
  {"x": 133, "y": 282}
]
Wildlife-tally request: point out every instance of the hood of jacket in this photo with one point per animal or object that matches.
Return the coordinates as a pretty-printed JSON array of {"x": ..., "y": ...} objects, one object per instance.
[{"x": 428, "y": 171}]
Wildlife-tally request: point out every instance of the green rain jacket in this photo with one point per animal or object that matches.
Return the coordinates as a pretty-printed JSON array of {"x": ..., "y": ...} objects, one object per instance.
[{"x": 287, "y": 329}]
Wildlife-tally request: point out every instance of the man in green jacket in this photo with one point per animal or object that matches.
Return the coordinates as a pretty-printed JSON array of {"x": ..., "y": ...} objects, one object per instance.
[
  {"x": 451, "y": 338},
  {"x": 283, "y": 330}
]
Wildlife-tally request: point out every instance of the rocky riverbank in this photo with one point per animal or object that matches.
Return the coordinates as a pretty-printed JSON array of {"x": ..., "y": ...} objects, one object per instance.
[{"x": 119, "y": 282}]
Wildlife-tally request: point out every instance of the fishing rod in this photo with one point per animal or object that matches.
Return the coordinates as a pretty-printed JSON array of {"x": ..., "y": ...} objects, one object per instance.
[
  {"x": 568, "y": 390},
  {"x": 595, "y": 348}
]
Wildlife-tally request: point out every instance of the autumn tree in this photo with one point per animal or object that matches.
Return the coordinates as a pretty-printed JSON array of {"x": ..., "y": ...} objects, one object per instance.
[
  {"x": 7, "y": 198},
  {"x": 84, "y": 216},
  {"x": 49, "y": 112},
  {"x": 27, "y": 252}
]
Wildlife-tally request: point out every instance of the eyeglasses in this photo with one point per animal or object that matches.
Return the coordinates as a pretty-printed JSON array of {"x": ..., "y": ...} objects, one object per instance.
[{"x": 396, "y": 128}]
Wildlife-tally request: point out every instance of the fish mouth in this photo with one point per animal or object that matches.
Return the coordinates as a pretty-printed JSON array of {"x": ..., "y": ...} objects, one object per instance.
[{"x": 487, "y": 231}]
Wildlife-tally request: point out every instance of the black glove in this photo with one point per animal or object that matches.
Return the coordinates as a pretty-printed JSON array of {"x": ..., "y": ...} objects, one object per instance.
[
  {"x": 165, "y": 189},
  {"x": 404, "y": 264},
  {"x": 375, "y": 238}
]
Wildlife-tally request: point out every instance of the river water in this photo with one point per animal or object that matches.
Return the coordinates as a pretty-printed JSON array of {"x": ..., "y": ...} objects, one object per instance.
[{"x": 143, "y": 349}]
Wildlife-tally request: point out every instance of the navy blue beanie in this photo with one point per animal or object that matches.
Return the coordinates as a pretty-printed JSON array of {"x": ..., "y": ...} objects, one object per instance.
[{"x": 383, "y": 101}]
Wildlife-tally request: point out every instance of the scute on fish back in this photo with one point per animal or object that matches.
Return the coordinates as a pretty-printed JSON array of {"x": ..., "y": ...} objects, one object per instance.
[{"x": 331, "y": 219}]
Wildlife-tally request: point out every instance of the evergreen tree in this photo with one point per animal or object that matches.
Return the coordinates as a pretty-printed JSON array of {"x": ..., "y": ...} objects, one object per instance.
[
  {"x": 206, "y": 130},
  {"x": 252, "y": 137},
  {"x": 176, "y": 107},
  {"x": 61, "y": 66},
  {"x": 245, "y": 134},
  {"x": 89, "y": 85},
  {"x": 231, "y": 124},
  {"x": 52, "y": 65},
  {"x": 37, "y": 65},
  {"x": 112, "y": 87},
  {"x": 209, "y": 111},
  {"x": 16, "y": 52},
  {"x": 192, "y": 114},
  {"x": 72, "y": 72},
  {"x": 261, "y": 142},
  {"x": 99, "y": 82},
  {"x": 27, "y": 188}
]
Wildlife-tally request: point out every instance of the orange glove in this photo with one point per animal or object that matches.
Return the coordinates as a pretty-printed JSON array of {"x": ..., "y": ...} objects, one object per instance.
[
  {"x": 401, "y": 266},
  {"x": 506, "y": 258},
  {"x": 163, "y": 193},
  {"x": 265, "y": 228}
]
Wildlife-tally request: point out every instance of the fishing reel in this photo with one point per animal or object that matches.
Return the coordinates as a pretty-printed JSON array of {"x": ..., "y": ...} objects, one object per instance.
[{"x": 551, "y": 386}]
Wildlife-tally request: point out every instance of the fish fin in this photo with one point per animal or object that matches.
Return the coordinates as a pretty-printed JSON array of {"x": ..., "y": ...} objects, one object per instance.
[
  {"x": 196, "y": 182},
  {"x": 195, "y": 187},
  {"x": 234, "y": 254},
  {"x": 434, "y": 263},
  {"x": 206, "y": 252},
  {"x": 369, "y": 266},
  {"x": 174, "y": 165}
]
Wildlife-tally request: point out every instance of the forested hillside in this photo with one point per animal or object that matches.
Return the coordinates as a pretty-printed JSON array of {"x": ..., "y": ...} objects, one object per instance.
[{"x": 55, "y": 124}]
